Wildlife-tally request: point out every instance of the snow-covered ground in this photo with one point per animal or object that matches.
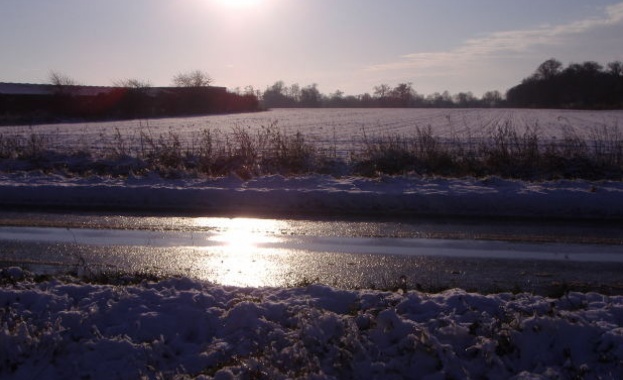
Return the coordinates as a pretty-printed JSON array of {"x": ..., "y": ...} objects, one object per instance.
[
  {"x": 322, "y": 195},
  {"x": 179, "y": 328}
]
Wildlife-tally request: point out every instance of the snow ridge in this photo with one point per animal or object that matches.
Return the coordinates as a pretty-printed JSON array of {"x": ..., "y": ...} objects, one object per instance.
[
  {"x": 326, "y": 195},
  {"x": 65, "y": 328}
]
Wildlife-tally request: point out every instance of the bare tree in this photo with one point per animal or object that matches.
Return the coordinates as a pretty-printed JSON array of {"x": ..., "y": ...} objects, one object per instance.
[
  {"x": 60, "y": 80},
  {"x": 615, "y": 68},
  {"x": 196, "y": 78},
  {"x": 464, "y": 99},
  {"x": 382, "y": 90},
  {"x": 492, "y": 98},
  {"x": 310, "y": 96},
  {"x": 278, "y": 95},
  {"x": 403, "y": 93},
  {"x": 294, "y": 92},
  {"x": 132, "y": 83},
  {"x": 249, "y": 90}
]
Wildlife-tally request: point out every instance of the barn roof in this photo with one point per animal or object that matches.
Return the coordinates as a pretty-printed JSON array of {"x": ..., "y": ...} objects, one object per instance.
[
  {"x": 25, "y": 89},
  {"x": 49, "y": 89},
  {"x": 7, "y": 88}
]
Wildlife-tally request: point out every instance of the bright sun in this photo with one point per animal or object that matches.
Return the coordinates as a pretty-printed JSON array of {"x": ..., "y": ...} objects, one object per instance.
[{"x": 239, "y": 3}]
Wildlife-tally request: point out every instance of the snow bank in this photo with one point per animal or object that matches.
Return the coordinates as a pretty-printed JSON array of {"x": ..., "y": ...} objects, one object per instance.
[
  {"x": 64, "y": 328},
  {"x": 318, "y": 194}
]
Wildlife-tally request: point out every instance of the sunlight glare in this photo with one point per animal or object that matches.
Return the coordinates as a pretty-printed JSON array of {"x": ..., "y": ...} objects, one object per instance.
[
  {"x": 239, "y": 3},
  {"x": 242, "y": 233},
  {"x": 239, "y": 258}
]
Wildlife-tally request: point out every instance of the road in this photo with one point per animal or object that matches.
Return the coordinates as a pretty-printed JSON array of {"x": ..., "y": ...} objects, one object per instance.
[{"x": 485, "y": 256}]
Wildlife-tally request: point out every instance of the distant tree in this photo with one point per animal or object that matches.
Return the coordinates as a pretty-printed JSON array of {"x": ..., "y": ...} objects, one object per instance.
[
  {"x": 382, "y": 91},
  {"x": 548, "y": 69},
  {"x": 382, "y": 95},
  {"x": 278, "y": 87},
  {"x": 402, "y": 95},
  {"x": 583, "y": 70},
  {"x": 592, "y": 68},
  {"x": 132, "y": 97},
  {"x": 615, "y": 72},
  {"x": 615, "y": 68},
  {"x": 434, "y": 100},
  {"x": 250, "y": 90},
  {"x": 132, "y": 83},
  {"x": 335, "y": 99},
  {"x": 366, "y": 100},
  {"x": 491, "y": 99},
  {"x": 338, "y": 94},
  {"x": 60, "y": 80},
  {"x": 293, "y": 92},
  {"x": 310, "y": 96},
  {"x": 196, "y": 78},
  {"x": 465, "y": 99},
  {"x": 352, "y": 101},
  {"x": 443, "y": 100},
  {"x": 62, "y": 103},
  {"x": 579, "y": 85},
  {"x": 275, "y": 96}
]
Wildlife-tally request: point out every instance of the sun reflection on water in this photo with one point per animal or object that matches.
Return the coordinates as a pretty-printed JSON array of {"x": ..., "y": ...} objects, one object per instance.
[{"x": 241, "y": 255}]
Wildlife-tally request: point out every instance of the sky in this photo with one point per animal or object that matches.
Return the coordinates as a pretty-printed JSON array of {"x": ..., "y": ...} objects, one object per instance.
[{"x": 346, "y": 45}]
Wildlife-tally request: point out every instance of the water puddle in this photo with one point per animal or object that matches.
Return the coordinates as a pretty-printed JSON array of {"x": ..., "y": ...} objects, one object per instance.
[{"x": 270, "y": 252}]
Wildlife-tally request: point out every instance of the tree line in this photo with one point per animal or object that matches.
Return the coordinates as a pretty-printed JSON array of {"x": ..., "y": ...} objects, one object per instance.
[
  {"x": 579, "y": 85},
  {"x": 403, "y": 95}
]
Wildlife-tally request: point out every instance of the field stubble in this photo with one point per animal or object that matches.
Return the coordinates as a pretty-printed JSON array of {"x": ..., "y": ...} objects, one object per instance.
[{"x": 525, "y": 144}]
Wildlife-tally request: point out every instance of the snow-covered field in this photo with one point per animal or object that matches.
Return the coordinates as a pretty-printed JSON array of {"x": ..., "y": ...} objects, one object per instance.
[
  {"x": 180, "y": 328},
  {"x": 339, "y": 129}
]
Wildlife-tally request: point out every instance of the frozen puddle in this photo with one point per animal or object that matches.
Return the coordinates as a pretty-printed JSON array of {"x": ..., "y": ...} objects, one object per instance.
[
  {"x": 268, "y": 252},
  {"x": 244, "y": 237}
]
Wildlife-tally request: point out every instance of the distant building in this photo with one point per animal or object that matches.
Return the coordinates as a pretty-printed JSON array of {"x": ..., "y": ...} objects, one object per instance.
[{"x": 26, "y": 103}]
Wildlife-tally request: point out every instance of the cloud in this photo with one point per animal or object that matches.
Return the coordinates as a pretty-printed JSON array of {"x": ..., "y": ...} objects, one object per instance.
[{"x": 500, "y": 44}]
